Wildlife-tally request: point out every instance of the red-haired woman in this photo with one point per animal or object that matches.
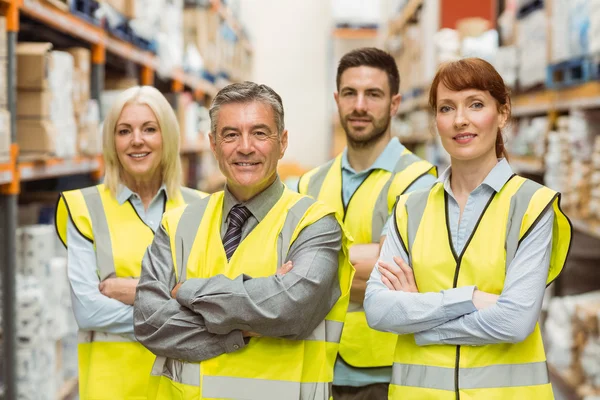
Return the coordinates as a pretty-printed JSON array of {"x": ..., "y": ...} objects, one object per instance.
[{"x": 461, "y": 276}]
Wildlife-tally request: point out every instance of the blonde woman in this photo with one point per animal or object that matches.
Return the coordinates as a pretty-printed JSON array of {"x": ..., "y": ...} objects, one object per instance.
[{"x": 107, "y": 228}]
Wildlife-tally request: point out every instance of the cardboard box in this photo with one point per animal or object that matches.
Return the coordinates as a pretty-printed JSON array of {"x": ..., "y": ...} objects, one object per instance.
[
  {"x": 82, "y": 58},
  {"x": 3, "y": 38},
  {"x": 3, "y": 83},
  {"x": 81, "y": 91},
  {"x": 4, "y": 136},
  {"x": 36, "y": 135},
  {"x": 34, "y": 104},
  {"x": 196, "y": 28},
  {"x": 116, "y": 83},
  {"x": 34, "y": 65},
  {"x": 125, "y": 7}
]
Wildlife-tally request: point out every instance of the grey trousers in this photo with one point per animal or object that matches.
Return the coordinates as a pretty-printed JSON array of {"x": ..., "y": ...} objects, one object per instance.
[{"x": 377, "y": 391}]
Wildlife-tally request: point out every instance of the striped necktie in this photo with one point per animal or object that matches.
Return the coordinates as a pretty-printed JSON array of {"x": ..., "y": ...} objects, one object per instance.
[{"x": 237, "y": 217}]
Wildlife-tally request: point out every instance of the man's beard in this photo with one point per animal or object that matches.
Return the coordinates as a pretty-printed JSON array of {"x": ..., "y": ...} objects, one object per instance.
[{"x": 366, "y": 140}]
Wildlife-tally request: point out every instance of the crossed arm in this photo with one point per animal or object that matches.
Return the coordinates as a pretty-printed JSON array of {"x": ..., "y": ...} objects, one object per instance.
[
  {"x": 465, "y": 315},
  {"x": 207, "y": 316}
]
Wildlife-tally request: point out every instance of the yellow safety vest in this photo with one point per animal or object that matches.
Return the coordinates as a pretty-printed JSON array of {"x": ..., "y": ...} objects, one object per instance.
[
  {"x": 365, "y": 215},
  {"x": 112, "y": 366},
  {"x": 267, "y": 368},
  {"x": 495, "y": 371}
]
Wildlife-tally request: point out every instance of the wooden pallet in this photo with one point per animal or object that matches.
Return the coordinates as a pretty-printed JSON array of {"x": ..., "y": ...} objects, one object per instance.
[{"x": 573, "y": 72}]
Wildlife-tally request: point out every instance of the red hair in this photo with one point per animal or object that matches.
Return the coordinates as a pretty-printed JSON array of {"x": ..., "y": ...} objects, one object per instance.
[{"x": 473, "y": 73}]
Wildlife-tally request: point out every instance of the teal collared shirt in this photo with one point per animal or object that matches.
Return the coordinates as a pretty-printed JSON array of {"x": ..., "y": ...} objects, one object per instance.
[{"x": 344, "y": 374}]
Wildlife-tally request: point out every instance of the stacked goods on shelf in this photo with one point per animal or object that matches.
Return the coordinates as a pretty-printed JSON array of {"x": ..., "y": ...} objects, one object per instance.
[
  {"x": 45, "y": 115},
  {"x": 212, "y": 47},
  {"x": 557, "y": 159},
  {"x": 89, "y": 139},
  {"x": 594, "y": 206},
  {"x": 44, "y": 315},
  {"x": 559, "y": 30},
  {"x": 594, "y": 28},
  {"x": 409, "y": 59},
  {"x": 529, "y": 139},
  {"x": 531, "y": 42},
  {"x": 572, "y": 341},
  {"x": 189, "y": 116},
  {"x": 170, "y": 37},
  {"x": 570, "y": 160},
  {"x": 200, "y": 29},
  {"x": 127, "y": 8},
  {"x": 4, "y": 113}
]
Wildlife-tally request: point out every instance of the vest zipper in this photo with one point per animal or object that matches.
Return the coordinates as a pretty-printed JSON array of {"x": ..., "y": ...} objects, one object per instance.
[
  {"x": 138, "y": 215},
  {"x": 458, "y": 260},
  {"x": 456, "y": 369}
]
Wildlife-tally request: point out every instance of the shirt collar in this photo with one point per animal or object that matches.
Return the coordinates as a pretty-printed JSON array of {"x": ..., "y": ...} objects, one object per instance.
[
  {"x": 259, "y": 205},
  {"x": 387, "y": 159},
  {"x": 124, "y": 193},
  {"x": 496, "y": 179}
]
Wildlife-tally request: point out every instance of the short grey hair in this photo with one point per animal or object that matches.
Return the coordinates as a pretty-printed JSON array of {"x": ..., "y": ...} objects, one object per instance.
[{"x": 247, "y": 92}]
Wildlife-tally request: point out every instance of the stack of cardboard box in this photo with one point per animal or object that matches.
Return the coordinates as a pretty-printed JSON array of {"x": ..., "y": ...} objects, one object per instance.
[
  {"x": 86, "y": 111},
  {"x": 126, "y": 8},
  {"x": 4, "y": 113},
  {"x": 201, "y": 28},
  {"x": 45, "y": 116}
]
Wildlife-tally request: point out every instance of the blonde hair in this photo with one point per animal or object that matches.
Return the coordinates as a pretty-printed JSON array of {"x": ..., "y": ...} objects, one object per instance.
[{"x": 167, "y": 121}]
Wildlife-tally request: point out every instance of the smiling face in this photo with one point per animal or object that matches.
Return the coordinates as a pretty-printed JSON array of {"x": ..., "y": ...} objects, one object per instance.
[
  {"x": 365, "y": 104},
  {"x": 138, "y": 141},
  {"x": 247, "y": 147},
  {"x": 468, "y": 122}
]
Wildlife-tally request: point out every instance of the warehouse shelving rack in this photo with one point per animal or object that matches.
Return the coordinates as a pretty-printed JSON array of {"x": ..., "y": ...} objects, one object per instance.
[{"x": 17, "y": 170}]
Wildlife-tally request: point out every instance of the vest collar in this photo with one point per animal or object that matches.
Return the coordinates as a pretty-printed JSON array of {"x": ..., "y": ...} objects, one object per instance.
[
  {"x": 124, "y": 193},
  {"x": 495, "y": 180}
]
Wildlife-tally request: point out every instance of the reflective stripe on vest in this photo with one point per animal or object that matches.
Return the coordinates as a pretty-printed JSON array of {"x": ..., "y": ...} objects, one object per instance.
[
  {"x": 104, "y": 252},
  {"x": 493, "y": 376},
  {"x": 243, "y": 388},
  {"x": 237, "y": 388},
  {"x": 327, "y": 331},
  {"x": 502, "y": 370}
]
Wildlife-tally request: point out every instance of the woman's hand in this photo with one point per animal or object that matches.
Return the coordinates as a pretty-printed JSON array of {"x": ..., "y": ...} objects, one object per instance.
[
  {"x": 121, "y": 289},
  {"x": 398, "y": 276}
]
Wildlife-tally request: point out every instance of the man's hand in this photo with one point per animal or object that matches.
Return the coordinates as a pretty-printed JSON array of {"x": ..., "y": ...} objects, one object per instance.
[
  {"x": 285, "y": 268},
  {"x": 175, "y": 289},
  {"x": 398, "y": 276},
  {"x": 121, "y": 289},
  {"x": 483, "y": 300}
]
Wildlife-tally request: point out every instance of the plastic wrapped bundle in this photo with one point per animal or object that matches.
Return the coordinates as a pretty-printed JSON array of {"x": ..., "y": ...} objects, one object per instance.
[
  {"x": 30, "y": 335},
  {"x": 37, "y": 248},
  {"x": 57, "y": 298},
  {"x": 46, "y": 370},
  {"x": 27, "y": 375},
  {"x": 30, "y": 300},
  {"x": 69, "y": 356}
]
